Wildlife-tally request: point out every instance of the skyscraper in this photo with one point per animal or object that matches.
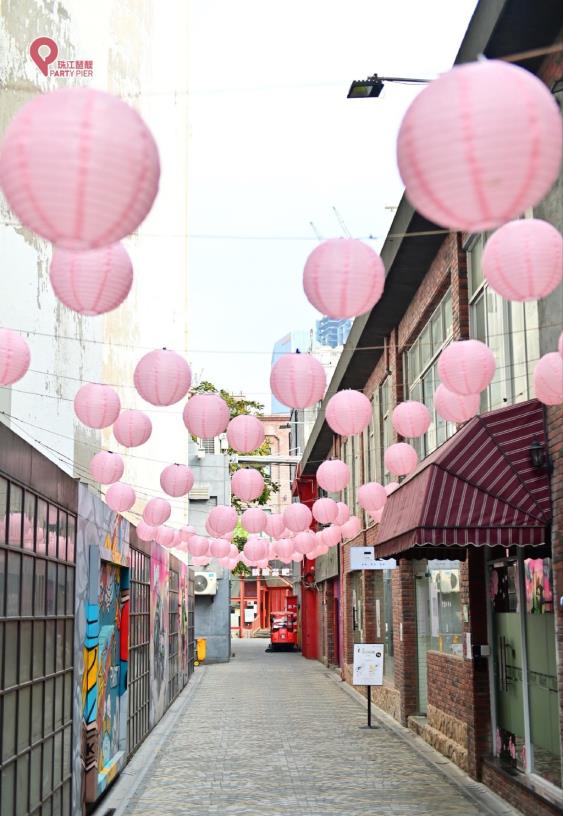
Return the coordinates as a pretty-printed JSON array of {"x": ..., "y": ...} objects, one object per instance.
[{"x": 332, "y": 332}]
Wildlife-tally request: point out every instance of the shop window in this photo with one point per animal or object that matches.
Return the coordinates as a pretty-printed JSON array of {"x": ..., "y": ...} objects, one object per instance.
[
  {"x": 383, "y": 599},
  {"x": 445, "y": 607},
  {"x": 380, "y": 432},
  {"x": 420, "y": 365}
]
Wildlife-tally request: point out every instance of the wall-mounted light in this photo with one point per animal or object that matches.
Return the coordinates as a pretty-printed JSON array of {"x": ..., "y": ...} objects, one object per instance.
[
  {"x": 539, "y": 456},
  {"x": 373, "y": 85}
]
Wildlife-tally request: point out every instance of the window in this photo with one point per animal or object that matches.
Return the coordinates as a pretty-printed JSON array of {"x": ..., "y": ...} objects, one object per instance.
[
  {"x": 383, "y": 595},
  {"x": 208, "y": 445},
  {"x": 420, "y": 365},
  {"x": 511, "y": 331},
  {"x": 380, "y": 432},
  {"x": 445, "y": 607}
]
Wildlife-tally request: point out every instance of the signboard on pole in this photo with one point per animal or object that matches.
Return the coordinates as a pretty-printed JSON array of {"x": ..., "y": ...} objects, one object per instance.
[
  {"x": 363, "y": 558},
  {"x": 368, "y": 664}
]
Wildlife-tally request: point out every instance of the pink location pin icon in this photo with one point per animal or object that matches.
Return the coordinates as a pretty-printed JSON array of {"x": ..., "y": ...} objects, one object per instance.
[{"x": 43, "y": 62}]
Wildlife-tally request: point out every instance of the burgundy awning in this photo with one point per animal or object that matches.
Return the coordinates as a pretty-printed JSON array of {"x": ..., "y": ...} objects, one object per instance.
[{"x": 478, "y": 488}]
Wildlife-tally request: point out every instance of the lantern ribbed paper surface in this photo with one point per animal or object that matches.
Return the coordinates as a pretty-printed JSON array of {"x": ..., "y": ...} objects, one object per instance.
[
  {"x": 348, "y": 412},
  {"x": 247, "y": 484},
  {"x": 466, "y": 366},
  {"x": 343, "y": 513},
  {"x": 455, "y": 407},
  {"x": 304, "y": 542},
  {"x": 222, "y": 519},
  {"x": 91, "y": 282},
  {"x": 187, "y": 532},
  {"x": 372, "y": 496},
  {"x": 206, "y": 415},
  {"x": 120, "y": 497},
  {"x": 325, "y": 511},
  {"x": 343, "y": 277},
  {"x": 548, "y": 379},
  {"x": 157, "y": 511},
  {"x": 14, "y": 357},
  {"x": 297, "y": 517},
  {"x": 351, "y": 528},
  {"x": 107, "y": 467},
  {"x": 245, "y": 433},
  {"x": 400, "y": 459},
  {"x": 256, "y": 548},
  {"x": 132, "y": 428},
  {"x": 165, "y": 536},
  {"x": 162, "y": 377},
  {"x": 198, "y": 546},
  {"x": 333, "y": 475},
  {"x": 333, "y": 535},
  {"x": 146, "y": 532},
  {"x": 275, "y": 524},
  {"x": 96, "y": 406},
  {"x": 79, "y": 167},
  {"x": 298, "y": 380},
  {"x": 176, "y": 480},
  {"x": 411, "y": 418},
  {"x": 254, "y": 520},
  {"x": 480, "y": 145},
  {"x": 284, "y": 549},
  {"x": 219, "y": 548},
  {"x": 560, "y": 344}
]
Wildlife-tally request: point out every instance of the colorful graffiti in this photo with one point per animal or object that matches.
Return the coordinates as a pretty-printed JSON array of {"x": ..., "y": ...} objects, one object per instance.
[
  {"x": 539, "y": 582},
  {"x": 183, "y": 630},
  {"x": 159, "y": 630}
]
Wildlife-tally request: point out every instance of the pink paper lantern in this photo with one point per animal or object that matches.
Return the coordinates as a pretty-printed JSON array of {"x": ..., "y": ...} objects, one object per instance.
[
  {"x": 14, "y": 357},
  {"x": 351, "y": 528},
  {"x": 297, "y": 517},
  {"x": 560, "y": 344},
  {"x": 343, "y": 513},
  {"x": 348, "y": 412},
  {"x": 377, "y": 515},
  {"x": 210, "y": 529},
  {"x": 333, "y": 475},
  {"x": 256, "y": 549},
  {"x": 400, "y": 459},
  {"x": 275, "y": 525},
  {"x": 96, "y": 406},
  {"x": 466, "y": 366},
  {"x": 187, "y": 532},
  {"x": 411, "y": 418},
  {"x": 107, "y": 467},
  {"x": 157, "y": 511},
  {"x": 332, "y": 535},
  {"x": 247, "y": 484},
  {"x": 200, "y": 560},
  {"x": 548, "y": 379},
  {"x": 206, "y": 415},
  {"x": 233, "y": 551},
  {"x": 343, "y": 277},
  {"x": 92, "y": 282},
  {"x": 523, "y": 260},
  {"x": 232, "y": 563},
  {"x": 146, "y": 532},
  {"x": 245, "y": 433},
  {"x": 198, "y": 546},
  {"x": 165, "y": 536},
  {"x": 254, "y": 520},
  {"x": 284, "y": 549},
  {"x": 228, "y": 536},
  {"x": 132, "y": 428},
  {"x": 297, "y": 556},
  {"x": 162, "y": 377},
  {"x": 298, "y": 380},
  {"x": 455, "y": 407},
  {"x": 452, "y": 146},
  {"x": 79, "y": 167},
  {"x": 372, "y": 496},
  {"x": 223, "y": 519},
  {"x": 304, "y": 542},
  {"x": 325, "y": 511},
  {"x": 120, "y": 497},
  {"x": 219, "y": 548},
  {"x": 176, "y": 480},
  {"x": 390, "y": 487}
]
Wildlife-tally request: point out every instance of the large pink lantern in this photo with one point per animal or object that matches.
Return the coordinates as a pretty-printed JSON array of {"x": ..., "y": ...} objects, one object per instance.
[
  {"x": 157, "y": 511},
  {"x": 132, "y": 428},
  {"x": 452, "y": 146},
  {"x": 79, "y": 167},
  {"x": 187, "y": 532},
  {"x": 343, "y": 513},
  {"x": 210, "y": 529},
  {"x": 200, "y": 560},
  {"x": 377, "y": 515},
  {"x": 146, "y": 532},
  {"x": 91, "y": 282},
  {"x": 256, "y": 549},
  {"x": 343, "y": 277},
  {"x": 14, "y": 357},
  {"x": 333, "y": 475},
  {"x": 304, "y": 542},
  {"x": 400, "y": 459},
  {"x": 176, "y": 480},
  {"x": 223, "y": 519},
  {"x": 165, "y": 536},
  {"x": 162, "y": 377},
  {"x": 120, "y": 497},
  {"x": 206, "y": 415},
  {"x": 332, "y": 535},
  {"x": 96, "y": 406},
  {"x": 548, "y": 379},
  {"x": 325, "y": 511},
  {"x": 411, "y": 418},
  {"x": 372, "y": 496},
  {"x": 198, "y": 546},
  {"x": 245, "y": 433},
  {"x": 107, "y": 467},
  {"x": 284, "y": 549},
  {"x": 351, "y": 528},
  {"x": 275, "y": 524},
  {"x": 298, "y": 380},
  {"x": 466, "y": 366},
  {"x": 455, "y": 407},
  {"x": 254, "y": 520},
  {"x": 247, "y": 484},
  {"x": 297, "y": 517},
  {"x": 219, "y": 548},
  {"x": 523, "y": 260},
  {"x": 348, "y": 412}
]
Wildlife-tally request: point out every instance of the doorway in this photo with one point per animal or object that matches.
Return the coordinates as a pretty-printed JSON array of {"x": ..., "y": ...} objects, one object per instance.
[{"x": 423, "y": 632}]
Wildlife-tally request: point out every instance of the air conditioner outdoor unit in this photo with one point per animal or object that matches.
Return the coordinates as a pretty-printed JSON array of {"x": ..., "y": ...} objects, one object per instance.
[{"x": 205, "y": 583}]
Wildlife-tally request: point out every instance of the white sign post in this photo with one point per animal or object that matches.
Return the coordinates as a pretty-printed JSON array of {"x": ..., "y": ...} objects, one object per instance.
[
  {"x": 368, "y": 669},
  {"x": 363, "y": 558}
]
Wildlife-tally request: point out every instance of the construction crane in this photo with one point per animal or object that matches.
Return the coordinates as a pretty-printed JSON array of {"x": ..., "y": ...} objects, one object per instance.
[
  {"x": 315, "y": 230},
  {"x": 342, "y": 223}
]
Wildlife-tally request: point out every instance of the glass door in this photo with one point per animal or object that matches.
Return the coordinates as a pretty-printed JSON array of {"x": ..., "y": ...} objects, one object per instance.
[{"x": 423, "y": 631}]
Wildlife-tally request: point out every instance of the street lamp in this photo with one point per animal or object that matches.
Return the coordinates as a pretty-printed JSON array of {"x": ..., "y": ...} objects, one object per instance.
[{"x": 373, "y": 85}]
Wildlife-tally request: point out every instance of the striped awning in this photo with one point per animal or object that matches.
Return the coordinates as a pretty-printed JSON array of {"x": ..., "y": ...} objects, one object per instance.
[{"x": 479, "y": 488}]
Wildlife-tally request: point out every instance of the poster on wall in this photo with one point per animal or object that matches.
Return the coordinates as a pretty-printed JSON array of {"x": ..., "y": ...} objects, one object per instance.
[
  {"x": 368, "y": 664},
  {"x": 159, "y": 619}
]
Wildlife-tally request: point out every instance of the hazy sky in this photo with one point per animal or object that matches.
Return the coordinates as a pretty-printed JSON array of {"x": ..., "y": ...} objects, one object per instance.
[{"x": 275, "y": 144}]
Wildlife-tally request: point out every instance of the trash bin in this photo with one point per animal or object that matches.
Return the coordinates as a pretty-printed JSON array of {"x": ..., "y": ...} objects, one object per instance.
[{"x": 201, "y": 648}]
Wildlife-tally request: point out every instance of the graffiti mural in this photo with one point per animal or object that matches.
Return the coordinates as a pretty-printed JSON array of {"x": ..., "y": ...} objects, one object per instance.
[
  {"x": 159, "y": 633},
  {"x": 183, "y": 630}
]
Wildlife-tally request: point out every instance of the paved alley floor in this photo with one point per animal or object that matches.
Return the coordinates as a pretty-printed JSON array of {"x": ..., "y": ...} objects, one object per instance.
[{"x": 271, "y": 734}]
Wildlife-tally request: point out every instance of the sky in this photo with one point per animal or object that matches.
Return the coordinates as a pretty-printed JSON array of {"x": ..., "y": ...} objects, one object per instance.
[{"x": 275, "y": 145}]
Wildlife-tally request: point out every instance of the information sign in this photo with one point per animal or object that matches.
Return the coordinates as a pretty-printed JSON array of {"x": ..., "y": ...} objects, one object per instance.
[{"x": 368, "y": 664}]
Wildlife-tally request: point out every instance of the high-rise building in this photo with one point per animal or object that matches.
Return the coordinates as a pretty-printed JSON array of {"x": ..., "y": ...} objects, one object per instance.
[
  {"x": 332, "y": 332},
  {"x": 291, "y": 342}
]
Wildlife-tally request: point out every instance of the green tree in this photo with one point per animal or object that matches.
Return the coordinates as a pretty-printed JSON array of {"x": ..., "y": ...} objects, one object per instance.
[{"x": 240, "y": 537}]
